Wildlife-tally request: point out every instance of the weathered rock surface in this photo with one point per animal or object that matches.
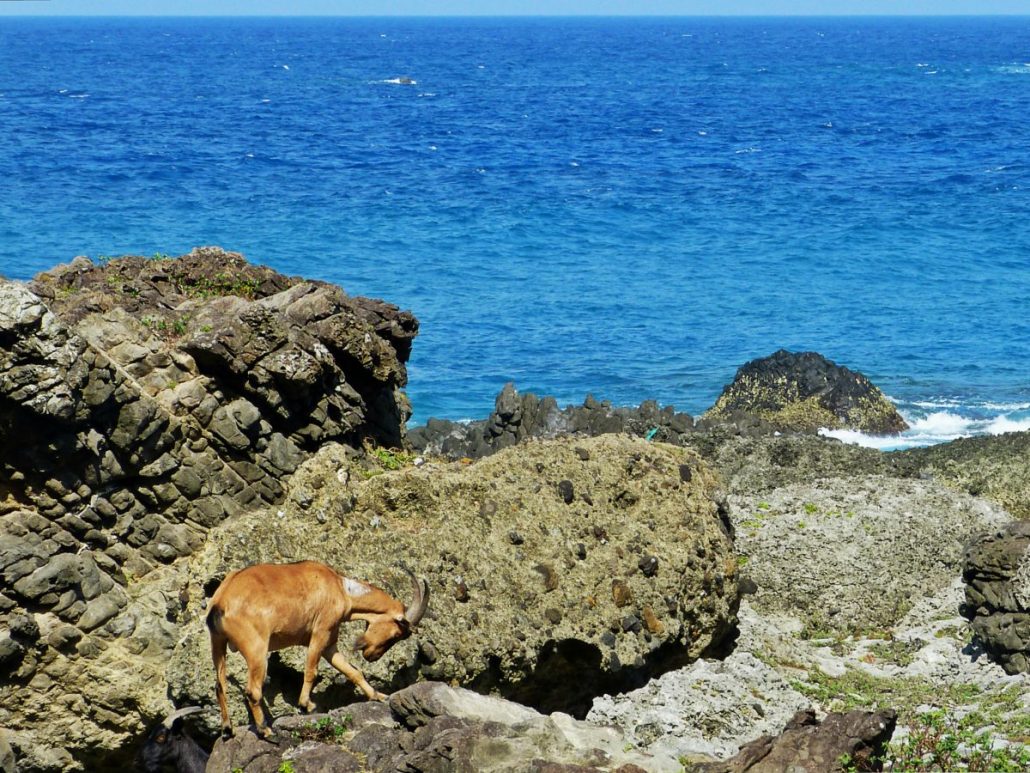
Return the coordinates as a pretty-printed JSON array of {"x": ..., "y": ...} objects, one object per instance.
[
  {"x": 745, "y": 449},
  {"x": 142, "y": 402},
  {"x": 803, "y": 392},
  {"x": 849, "y": 553},
  {"x": 808, "y": 746},
  {"x": 433, "y": 727},
  {"x": 706, "y": 710},
  {"x": 995, "y": 468},
  {"x": 588, "y": 564},
  {"x": 997, "y": 604}
]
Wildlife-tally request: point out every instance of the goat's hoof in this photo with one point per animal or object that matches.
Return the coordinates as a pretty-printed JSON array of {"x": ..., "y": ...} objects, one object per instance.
[
  {"x": 379, "y": 696},
  {"x": 309, "y": 708},
  {"x": 265, "y": 733},
  {"x": 227, "y": 733}
]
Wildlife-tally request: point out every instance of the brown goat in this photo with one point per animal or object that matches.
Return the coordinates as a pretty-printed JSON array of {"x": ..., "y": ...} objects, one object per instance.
[{"x": 270, "y": 606}]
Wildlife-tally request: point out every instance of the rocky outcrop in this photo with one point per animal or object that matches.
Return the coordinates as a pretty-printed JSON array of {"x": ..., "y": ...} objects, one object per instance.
[
  {"x": 592, "y": 564},
  {"x": 517, "y": 417},
  {"x": 804, "y": 392},
  {"x": 589, "y": 564},
  {"x": 433, "y": 727},
  {"x": 808, "y": 746},
  {"x": 997, "y": 604},
  {"x": 143, "y": 402}
]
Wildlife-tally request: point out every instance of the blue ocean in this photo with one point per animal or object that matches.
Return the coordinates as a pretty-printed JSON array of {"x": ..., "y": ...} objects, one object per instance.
[{"x": 630, "y": 208}]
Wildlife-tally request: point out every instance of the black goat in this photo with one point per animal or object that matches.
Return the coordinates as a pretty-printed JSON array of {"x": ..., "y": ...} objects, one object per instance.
[{"x": 169, "y": 744}]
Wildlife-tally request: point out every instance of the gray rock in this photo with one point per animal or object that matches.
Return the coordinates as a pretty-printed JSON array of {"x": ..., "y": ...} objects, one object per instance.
[
  {"x": 434, "y": 727},
  {"x": 997, "y": 603}
]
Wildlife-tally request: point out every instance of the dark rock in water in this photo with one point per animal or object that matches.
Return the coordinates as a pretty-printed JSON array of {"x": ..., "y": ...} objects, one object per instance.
[
  {"x": 997, "y": 576},
  {"x": 803, "y": 392},
  {"x": 807, "y": 746},
  {"x": 517, "y": 417},
  {"x": 432, "y": 727}
]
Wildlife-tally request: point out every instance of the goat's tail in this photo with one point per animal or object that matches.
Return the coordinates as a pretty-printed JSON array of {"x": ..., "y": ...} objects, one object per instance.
[{"x": 214, "y": 619}]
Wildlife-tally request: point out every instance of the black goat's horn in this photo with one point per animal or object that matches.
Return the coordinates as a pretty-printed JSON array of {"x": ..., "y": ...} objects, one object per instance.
[{"x": 170, "y": 719}]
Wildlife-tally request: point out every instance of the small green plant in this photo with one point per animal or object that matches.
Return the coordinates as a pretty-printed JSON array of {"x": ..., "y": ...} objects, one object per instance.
[
  {"x": 286, "y": 766},
  {"x": 937, "y": 741},
  {"x": 387, "y": 458},
  {"x": 217, "y": 286},
  {"x": 161, "y": 256},
  {"x": 811, "y": 508},
  {"x": 901, "y": 653},
  {"x": 179, "y": 326},
  {"x": 326, "y": 729}
]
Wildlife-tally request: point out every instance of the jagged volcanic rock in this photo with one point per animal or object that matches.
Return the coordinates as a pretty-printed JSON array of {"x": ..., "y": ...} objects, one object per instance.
[{"x": 803, "y": 392}]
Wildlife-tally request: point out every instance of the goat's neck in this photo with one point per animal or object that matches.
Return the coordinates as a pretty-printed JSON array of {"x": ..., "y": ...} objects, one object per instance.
[{"x": 370, "y": 601}]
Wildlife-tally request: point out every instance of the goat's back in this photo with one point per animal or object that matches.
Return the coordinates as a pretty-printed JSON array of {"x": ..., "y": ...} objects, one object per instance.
[{"x": 278, "y": 600}]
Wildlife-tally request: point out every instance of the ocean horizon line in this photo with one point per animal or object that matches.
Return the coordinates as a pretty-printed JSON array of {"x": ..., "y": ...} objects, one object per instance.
[{"x": 769, "y": 16}]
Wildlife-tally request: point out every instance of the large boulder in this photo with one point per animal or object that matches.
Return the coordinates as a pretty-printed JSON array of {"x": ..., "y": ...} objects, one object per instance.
[
  {"x": 590, "y": 564},
  {"x": 997, "y": 604},
  {"x": 433, "y": 727},
  {"x": 805, "y": 392}
]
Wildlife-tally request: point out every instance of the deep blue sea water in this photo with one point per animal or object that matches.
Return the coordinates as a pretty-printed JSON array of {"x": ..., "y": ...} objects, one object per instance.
[{"x": 629, "y": 208}]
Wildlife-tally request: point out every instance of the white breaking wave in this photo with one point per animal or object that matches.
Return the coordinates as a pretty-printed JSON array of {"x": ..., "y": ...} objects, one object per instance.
[{"x": 940, "y": 426}]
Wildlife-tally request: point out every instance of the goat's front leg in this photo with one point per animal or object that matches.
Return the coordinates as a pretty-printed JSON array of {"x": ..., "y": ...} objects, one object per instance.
[
  {"x": 339, "y": 662},
  {"x": 316, "y": 645}
]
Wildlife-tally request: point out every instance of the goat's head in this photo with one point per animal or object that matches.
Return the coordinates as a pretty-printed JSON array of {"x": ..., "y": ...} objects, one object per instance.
[
  {"x": 387, "y": 629},
  {"x": 166, "y": 741}
]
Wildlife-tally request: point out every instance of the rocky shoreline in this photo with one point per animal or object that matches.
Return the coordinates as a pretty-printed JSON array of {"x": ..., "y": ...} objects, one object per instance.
[{"x": 633, "y": 588}]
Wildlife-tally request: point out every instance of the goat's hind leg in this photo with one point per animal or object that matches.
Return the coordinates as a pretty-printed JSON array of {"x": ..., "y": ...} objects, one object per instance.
[
  {"x": 218, "y": 647},
  {"x": 256, "y": 656}
]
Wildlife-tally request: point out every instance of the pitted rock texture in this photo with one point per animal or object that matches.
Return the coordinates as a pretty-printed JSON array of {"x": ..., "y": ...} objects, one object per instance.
[
  {"x": 997, "y": 604},
  {"x": 803, "y": 392},
  {"x": 634, "y": 576},
  {"x": 847, "y": 554},
  {"x": 706, "y": 710},
  {"x": 433, "y": 727},
  {"x": 143, "y": 402}
]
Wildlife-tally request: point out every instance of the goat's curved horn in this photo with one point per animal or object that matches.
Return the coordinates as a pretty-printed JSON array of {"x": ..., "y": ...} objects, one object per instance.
[
  {"x": 170, "y": 719},
  {"x": 420, "y": 601}
]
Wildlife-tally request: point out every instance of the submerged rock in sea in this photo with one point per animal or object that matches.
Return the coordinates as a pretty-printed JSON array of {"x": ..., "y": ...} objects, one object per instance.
[
  {"x": 520, "y": 416},
  {"x": 997, "y": 576},
  {"x": 803, "y": 392}
]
